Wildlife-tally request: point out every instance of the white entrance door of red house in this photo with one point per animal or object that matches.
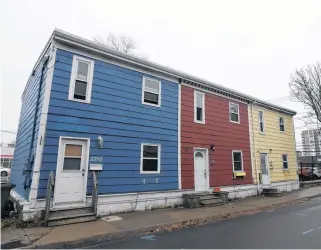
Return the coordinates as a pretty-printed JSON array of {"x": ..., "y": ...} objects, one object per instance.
[{"x": 201, "y": 175}]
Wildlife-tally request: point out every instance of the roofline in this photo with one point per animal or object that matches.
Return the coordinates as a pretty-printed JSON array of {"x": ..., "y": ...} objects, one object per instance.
[{"x": 66, "y": 37}]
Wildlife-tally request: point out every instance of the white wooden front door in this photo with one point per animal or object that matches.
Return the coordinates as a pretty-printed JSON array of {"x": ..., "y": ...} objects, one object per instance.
[
  {"x": 265, "y": 169},
  {"x": 71, "y": 172},
  {"x": 201, "y": 170}
]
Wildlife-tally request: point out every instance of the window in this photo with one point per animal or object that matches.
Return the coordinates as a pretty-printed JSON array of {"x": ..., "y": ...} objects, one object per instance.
[
  {"x": 261, "y": 121},
  {"x": 199, "y": 110},
  {"x": 151, "y": 92},
  {"x": 72, "y": 157},
  {"x": 234, "y": 113},
  {"x": 281, "y": 123},
  {"x": 237, "y": 161},
  {"x": 150, "y": 159},
  {"x": 285, "y": 161},
  {"x": 6, "y": 162},
  {"x": 81, "y": 79}
]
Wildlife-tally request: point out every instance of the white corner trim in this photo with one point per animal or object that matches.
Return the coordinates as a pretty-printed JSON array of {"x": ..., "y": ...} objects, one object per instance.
[
  {"x": 159, "y": 93},
  {"x": 42, "y": 128},
  {"x": 158, "y": 159},
  {"x": 195, "y": 107},
  {"x": 238, "y": 112},
  {"x": 179, "y": 167},
  {"x": 73, "y": 77}
]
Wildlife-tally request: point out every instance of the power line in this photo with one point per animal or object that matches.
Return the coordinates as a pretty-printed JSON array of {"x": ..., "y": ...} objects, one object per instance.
[{"x": 8, "y": 131}]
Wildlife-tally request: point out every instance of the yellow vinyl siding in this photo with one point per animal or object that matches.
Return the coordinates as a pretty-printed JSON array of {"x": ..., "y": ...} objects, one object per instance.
[{"x": 274, "y": 143}]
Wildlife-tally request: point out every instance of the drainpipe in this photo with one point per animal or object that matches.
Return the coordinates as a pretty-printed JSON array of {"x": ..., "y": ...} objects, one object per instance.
[
  {"x": 30, "y": 156},
  {"x": 254, "y": 148}
]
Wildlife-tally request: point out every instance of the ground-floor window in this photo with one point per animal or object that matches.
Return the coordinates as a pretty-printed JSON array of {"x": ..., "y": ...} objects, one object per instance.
[{"x": 150, "y": 158}]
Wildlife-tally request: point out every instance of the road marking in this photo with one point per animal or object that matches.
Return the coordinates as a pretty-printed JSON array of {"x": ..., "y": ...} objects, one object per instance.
[
  {"x": 298, "y": 214},
  {"x": 148, "y": 237},
  {"x": 308, "y": 231}
]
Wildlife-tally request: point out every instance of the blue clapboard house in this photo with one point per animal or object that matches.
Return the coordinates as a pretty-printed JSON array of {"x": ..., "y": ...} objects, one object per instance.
[{"x": 98, "y": 134}]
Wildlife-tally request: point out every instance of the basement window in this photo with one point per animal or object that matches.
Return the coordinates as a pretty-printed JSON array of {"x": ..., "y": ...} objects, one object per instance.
[{"x": 81, "y": 79}]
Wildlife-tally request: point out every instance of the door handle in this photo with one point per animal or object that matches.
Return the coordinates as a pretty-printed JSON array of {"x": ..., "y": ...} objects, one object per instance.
[{"x": 205, "y": 174}]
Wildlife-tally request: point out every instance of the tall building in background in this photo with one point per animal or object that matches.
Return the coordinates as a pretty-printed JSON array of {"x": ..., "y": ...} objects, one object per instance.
[{"x": 311, "y": 141}]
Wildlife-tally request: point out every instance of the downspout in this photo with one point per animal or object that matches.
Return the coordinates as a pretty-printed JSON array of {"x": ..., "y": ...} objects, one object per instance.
[
  {"x": 30, "y": 159},
  {"x": 254, "y": 148}
]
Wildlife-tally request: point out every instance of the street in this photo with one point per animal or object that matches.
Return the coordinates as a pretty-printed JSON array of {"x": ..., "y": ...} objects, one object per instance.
[{"x": 296, "y": 226}]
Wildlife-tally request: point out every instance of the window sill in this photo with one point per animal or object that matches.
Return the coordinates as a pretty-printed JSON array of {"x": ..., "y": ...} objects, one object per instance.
[
  {"x": 158, "y": 172},
  {"x": 77, "y": 100},
  {"x": 287, "y": 170},
  {"x": 234, "y": 122},
  {"x": 199, "y": 122},
  {"x": 153, "y": 105}
]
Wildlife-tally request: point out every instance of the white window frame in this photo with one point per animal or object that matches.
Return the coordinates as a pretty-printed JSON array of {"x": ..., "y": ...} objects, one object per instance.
[
  {"x": 237, "y": 151},
  {"x": 287, "y": 161},
  {"x": 261, "y": 132},
  {"x": 280, "y": 124},
  {"x": 73, "y": 78},
  {"x": 159, "y": 91},
  {"x": 142, "y": 158},
  {"x": 238, "y": 112},
  {"x": 195, "y": 107}
]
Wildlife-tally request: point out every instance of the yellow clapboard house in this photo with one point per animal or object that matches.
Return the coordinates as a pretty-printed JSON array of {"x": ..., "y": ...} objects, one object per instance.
[{"x": 273, "y": 150}]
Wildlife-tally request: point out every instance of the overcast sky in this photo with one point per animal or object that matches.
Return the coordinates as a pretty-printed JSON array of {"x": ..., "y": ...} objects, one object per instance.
[{"x": 250, "y": 46}]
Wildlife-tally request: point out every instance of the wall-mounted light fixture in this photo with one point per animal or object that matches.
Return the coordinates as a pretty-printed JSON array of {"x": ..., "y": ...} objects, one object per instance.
[
  {"x": 100, "y": 141},
  {"x": 212, "y": 147}
]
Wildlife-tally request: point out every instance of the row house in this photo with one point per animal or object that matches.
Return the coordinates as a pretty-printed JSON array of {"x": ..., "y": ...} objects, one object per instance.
[{"x": 109, "y": 132}]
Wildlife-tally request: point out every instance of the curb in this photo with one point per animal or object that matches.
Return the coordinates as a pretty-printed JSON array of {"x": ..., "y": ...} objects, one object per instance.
[{"x": 164, "y": 227}]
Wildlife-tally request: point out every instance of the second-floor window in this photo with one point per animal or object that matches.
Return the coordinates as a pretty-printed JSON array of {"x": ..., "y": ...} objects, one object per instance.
[
  {"x": 199, "y": 107},
  {"x": 261, "y": 121},
  {"x": 234, "y": 113},
  {"x": 81, "y": 79},
  {"x": 281, "y": 124},
  {"x": 151, "y": 92}
]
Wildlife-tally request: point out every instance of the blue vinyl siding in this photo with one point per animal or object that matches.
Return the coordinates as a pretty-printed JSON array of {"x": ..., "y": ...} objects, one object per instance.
[
  {"x": 21, "y": 173},
  {"x": 117, "y": 114}
]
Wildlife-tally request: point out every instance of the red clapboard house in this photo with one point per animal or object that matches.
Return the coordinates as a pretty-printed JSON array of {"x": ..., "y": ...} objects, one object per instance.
[{"x": 215, "y": 141}]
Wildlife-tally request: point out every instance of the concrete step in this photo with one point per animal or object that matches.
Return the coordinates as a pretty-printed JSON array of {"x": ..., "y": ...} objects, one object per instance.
[
  {"x": 71, "y": 219},
  {"x": 65, "y": 212},
  {"x": 274, "y": 192},
  {"x": 211, "y": 202},
  {"x": 208, "y": 197}
]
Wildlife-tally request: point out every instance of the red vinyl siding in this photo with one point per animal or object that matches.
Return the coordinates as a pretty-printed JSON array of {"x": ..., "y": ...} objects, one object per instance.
[{"x": 217, "y": 130}]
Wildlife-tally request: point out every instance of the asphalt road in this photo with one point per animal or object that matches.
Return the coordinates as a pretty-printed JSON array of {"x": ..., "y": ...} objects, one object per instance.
[{"x": 296, "y": 226}]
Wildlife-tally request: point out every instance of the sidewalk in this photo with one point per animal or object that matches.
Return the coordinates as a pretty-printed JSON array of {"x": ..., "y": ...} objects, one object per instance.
[{"x": 142, "y": 222}]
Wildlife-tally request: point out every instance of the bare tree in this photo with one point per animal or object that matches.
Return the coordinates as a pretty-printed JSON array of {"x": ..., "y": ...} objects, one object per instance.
[
  {"x": 120, "y": 43},
  {"x": 305, "y": 87}
]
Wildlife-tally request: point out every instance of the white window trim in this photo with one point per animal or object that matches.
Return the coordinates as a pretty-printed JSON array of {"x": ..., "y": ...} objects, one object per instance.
[
  {"x": 261, "y": 132},
  {"x": 73, "y": 77},
  {"x": 237, "y": 151},
  {"x": 159, "y": 92},
  {"x": 287, "y": 161},
  {"x": 142, "y": 157},
  {"x": 238, "y": 112},
  {"x": 280, "y": 124},
  {"x": 195, "y": 106}
]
